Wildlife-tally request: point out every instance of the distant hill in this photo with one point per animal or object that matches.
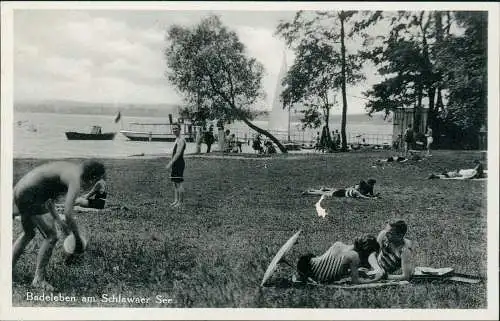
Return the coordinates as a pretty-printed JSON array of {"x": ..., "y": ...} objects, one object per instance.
[
  {"x": 86, "y": 108},
  {"x": 146, "y": 110}
]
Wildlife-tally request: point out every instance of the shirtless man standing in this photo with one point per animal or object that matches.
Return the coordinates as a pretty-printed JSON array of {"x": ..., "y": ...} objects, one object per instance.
[{"x": 35, "y": 195}]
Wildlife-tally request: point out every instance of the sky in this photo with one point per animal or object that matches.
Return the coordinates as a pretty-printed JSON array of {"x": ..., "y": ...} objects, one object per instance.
[{"x": 116, "y": 56}]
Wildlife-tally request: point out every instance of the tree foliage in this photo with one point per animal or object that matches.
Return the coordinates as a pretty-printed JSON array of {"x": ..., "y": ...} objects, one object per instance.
[
  {"x": 464, "y": 60},
  {"x": 425, "y": 54},
  {"x": 209, "y": 67},
  {"x": 321, "y": 65}
]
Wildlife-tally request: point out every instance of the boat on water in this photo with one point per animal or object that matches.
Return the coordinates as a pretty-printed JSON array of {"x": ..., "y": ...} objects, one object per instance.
[
  {"x": 95, "y": 134},
  {"x": 156, "y": 132}
]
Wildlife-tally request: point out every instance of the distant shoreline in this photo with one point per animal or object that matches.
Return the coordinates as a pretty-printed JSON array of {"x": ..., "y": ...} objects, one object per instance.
[{"x": 105, "y": 111}]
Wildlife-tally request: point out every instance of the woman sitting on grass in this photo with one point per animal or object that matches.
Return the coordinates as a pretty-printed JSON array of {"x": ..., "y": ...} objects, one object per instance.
[
  {"x": 95, "y": 198},
  {"x": 340, "y": 261},
  {"x": 396, "y": 254}
]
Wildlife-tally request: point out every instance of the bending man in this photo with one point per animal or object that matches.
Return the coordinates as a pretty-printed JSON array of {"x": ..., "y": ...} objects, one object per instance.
[{"x": 34, "y": 195}]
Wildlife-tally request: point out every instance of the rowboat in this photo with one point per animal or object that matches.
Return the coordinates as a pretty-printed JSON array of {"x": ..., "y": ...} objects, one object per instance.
[{"x": 95, "y": 134}]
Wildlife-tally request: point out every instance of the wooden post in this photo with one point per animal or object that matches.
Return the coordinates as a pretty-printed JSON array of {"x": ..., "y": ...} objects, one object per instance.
[
  {"x": 221, "y": 139},
  {"x": 197, "y": 132}
]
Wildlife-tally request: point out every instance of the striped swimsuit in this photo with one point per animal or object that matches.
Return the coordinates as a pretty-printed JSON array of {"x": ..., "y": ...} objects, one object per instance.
[
  {"x": 329, "y": 266},
  {"x": 346, "y": 192},
  {"x": 389, "y": 260}
]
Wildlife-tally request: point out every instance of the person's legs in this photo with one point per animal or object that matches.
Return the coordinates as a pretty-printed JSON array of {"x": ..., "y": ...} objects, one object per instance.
[
  {"x": 176, "y": 195},
  {"x": 47, "y": 228},
  {"x": 82, "y": 202},
  {"x": 180, "y": 194},
  {"x": 24, "y": 239}
]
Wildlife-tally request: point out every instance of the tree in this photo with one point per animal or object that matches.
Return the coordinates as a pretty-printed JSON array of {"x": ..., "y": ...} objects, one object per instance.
[
  {"x": 311, "y": 81},
  {"x": 321, "y": 67},
  {"x": 464, "y": 62},
  {"x": 405, "y": 58},
  {"x": 421, "y": 56},
  {"x": 208, "y": 66}
]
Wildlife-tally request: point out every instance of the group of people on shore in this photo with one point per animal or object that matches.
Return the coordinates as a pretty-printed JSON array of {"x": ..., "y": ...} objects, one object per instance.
[
  {"x": 409, "y": 141},
  {"x": 324, "y": 142}
]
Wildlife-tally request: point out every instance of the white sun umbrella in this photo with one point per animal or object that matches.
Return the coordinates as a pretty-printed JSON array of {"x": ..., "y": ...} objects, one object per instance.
[{"x": 282, "y": 251}]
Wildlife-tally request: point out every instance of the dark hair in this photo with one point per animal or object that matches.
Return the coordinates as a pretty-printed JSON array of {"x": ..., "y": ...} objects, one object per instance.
[
  {"x": 399, "y": 227},
  {"x": 367, "y": 188},
  {"x": 365, "y": 245},
  {"x": 304, "y": 265},
  {"x": 176, "y": 125},
  {"x": 92, "y": 169}
]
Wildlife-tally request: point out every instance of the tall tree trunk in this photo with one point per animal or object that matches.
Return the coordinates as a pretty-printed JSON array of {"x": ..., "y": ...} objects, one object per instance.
[
  {"x": 198, "y": 136},
  {"x": 344, "y": 94},
  {"x": 221, "y": 139},
  {"x": 417, "y": 112},
  {"x": 432, "y": 114},
  {"x": 432, "y": 94}
]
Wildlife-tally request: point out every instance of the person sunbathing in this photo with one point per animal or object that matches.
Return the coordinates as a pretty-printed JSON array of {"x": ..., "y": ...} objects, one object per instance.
[
  {"x": 361, "y": 190},
  {"x": 396, "y": 254},
  {"x": 399, "y": 159},
  {"x": 340, "y": 261},
  {"x": 472, "y": 173}
]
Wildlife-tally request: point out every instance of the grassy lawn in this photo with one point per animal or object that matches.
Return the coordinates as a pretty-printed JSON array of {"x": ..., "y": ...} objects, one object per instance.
[{"x": 213, "y": 253}]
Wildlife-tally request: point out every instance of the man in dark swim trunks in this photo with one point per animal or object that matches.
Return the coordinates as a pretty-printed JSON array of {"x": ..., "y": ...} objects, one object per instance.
[
  {"x": 177, "y": 165},
  {"x": 34, "y": 197}
]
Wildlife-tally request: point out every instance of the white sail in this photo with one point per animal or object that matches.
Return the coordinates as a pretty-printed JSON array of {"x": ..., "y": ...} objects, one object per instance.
[{"x": 279, "y": 116}]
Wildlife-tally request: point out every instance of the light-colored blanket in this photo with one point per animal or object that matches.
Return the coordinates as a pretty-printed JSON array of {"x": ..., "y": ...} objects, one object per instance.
[
  {"x": 463, "y": 174},
  {"x": 343, "y": 284},
  {"x": 60, "y": 207},
  {"x": 326, "y": 191},
  {"x": 421, "y": 273}
]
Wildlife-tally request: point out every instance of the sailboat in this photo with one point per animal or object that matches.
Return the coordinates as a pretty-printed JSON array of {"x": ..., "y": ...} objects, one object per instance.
[{"x": 280, "y": 116}]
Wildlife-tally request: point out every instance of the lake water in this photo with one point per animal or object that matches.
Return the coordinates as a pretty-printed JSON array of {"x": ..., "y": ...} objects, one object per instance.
[{"x": 41, "y": 135}]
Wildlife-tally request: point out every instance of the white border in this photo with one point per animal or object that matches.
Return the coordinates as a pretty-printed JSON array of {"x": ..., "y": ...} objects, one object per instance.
[{"x": 8, "y": 312}]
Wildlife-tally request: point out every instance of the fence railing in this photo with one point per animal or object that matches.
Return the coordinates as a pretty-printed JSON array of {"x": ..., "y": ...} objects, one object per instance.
[{"x": 302, "y": 137}]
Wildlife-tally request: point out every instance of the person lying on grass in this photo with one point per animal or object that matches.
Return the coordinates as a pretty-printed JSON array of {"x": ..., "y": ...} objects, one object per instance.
[
  {"x": 396, "y": 254},
  {"x": 472, "y": 173},
  {"x": 361, "y": 190},
  {"x": 34, "y": 196},
  {"x": 399, "y": 159},
  {"x": 340, "y": 261}
]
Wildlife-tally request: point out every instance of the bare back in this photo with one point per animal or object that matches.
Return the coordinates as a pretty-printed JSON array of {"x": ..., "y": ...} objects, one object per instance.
[{"x": 44, "y": 183}]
